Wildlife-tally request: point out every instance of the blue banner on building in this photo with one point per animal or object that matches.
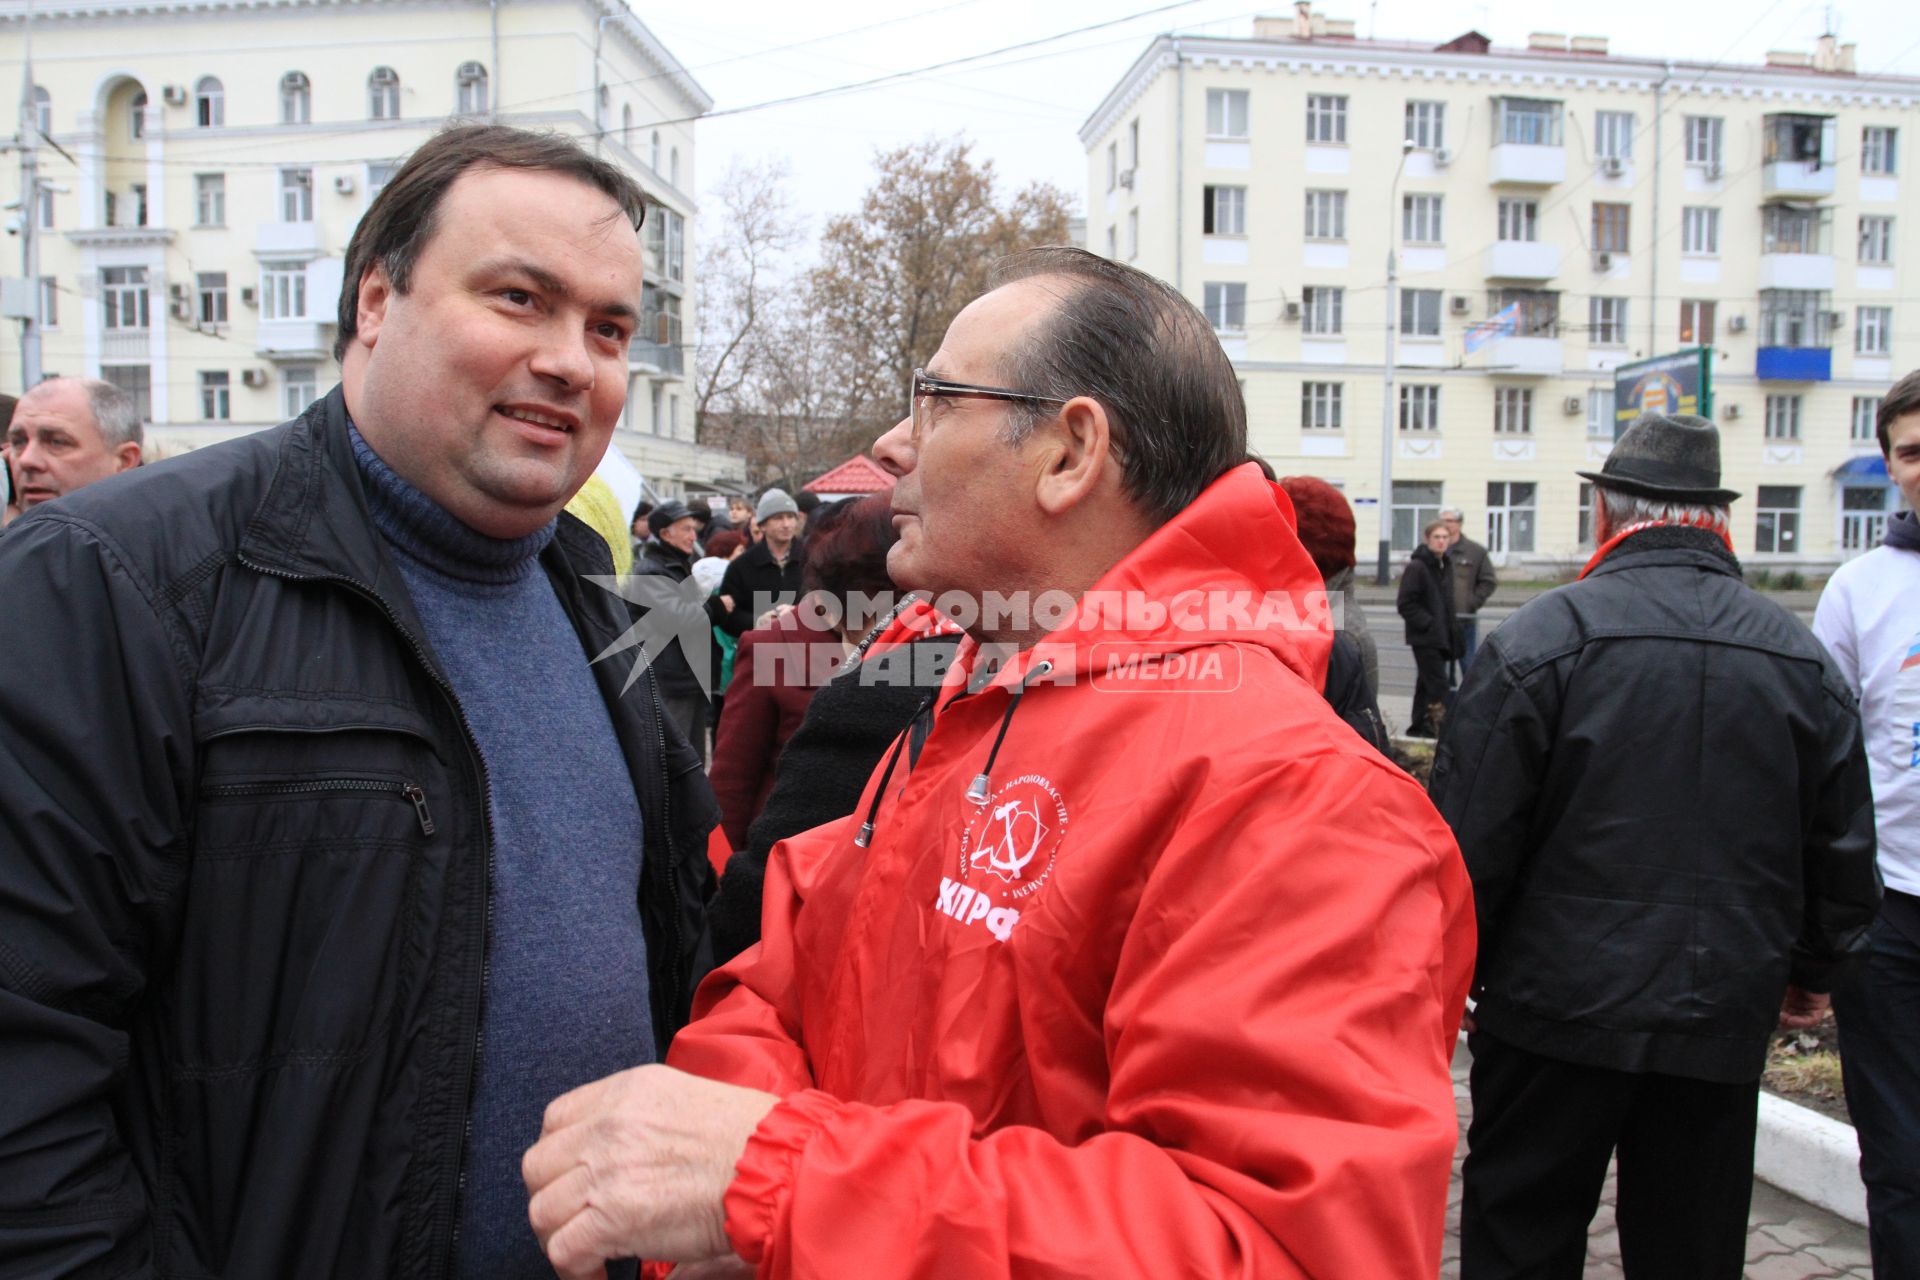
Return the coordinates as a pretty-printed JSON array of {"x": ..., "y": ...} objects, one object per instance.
[{"x": 1677, "y": 383}]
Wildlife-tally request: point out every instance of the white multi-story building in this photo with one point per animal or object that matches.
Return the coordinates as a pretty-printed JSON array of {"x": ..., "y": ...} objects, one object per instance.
[
  {"x": 1612, "y": 208},
  {"x": 203, "y": 164}
]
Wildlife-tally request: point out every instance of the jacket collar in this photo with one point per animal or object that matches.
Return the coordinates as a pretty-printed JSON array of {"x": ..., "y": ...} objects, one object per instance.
[{"x": 1665, "y": 545}]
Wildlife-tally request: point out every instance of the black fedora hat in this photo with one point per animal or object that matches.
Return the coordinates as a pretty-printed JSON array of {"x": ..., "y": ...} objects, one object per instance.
[{"x": 1676, "y": 459}]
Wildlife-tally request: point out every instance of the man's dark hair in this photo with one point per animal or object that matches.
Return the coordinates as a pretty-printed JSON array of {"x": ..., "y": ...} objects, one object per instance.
[
  {"x": 806, "y": 500},
  {"x": 1902, "y": 400},
  {"x": 404, "y": 215},
  {"x": 1148, "y": 356}
]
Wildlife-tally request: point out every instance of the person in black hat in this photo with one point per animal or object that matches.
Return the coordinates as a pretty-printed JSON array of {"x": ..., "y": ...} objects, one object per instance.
[
  {"x": 1657, "y": 780},
  {"x": 668, "y": 552}
]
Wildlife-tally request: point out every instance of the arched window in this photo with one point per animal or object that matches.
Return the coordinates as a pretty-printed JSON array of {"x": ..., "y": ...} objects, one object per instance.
[
  {"x": 296, "y": 98},
  {"x": 209, "y": 103},
  {"x": 383, "y": 94},
  {"x": 42, "y": 109},
  {"x": 137, "y": 115},
  {"x": 653, "y": 157},
  {"x": 471, "y": 85},
  {"x": 673, "y": 167},
  {"x": 626, "y": 125},
  {"x": 601, "y": 109}
]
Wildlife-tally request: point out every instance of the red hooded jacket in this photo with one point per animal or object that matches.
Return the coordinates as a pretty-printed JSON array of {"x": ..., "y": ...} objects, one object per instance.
[{"x": 1178, "y": 998}]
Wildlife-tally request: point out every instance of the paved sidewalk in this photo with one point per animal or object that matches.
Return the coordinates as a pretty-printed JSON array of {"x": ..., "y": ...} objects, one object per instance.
[{"x": 1787, "y": 1239}]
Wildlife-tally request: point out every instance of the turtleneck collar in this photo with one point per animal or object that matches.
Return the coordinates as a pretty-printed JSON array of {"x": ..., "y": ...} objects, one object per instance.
[{"x": 422, "y": 529}]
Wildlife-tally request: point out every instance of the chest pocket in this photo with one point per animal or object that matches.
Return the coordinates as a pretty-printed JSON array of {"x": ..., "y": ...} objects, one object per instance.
[{"x": 317, "y": 821}]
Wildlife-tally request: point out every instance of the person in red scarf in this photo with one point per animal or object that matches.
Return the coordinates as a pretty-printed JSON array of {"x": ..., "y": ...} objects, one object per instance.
[{"x": 1657, "y": 780}]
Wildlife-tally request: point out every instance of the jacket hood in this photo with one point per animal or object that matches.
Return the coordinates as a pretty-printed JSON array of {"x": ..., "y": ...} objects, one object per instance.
[
  {"x": 1903, "y": 531},
  {"x": 1229, "y": 569}
]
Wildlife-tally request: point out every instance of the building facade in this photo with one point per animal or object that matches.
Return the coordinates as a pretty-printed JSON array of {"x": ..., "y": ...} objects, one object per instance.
[
  {"x": 1585, "y": 210},
  {"x": 202, "y": 166}
]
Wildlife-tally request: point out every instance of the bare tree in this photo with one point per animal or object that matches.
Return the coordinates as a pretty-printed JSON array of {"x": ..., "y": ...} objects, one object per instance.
[{"x": 742, "y": 275}]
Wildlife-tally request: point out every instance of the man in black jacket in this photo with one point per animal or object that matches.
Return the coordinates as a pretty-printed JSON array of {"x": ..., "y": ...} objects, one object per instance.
[
  {"x": 766, "y": 574},
  {"x": 673, "y": 533},
  {"x": 326, "y": 857},
  {"x": 1657, "y": 779}
]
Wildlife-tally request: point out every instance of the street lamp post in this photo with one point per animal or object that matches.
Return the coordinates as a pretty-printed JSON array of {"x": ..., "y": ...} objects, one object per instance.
[{"x": 1386, "y": 374}]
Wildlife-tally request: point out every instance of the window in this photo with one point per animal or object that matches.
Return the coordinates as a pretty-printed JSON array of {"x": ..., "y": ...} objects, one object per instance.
[
  {"x": 1599, "y": 413},
  {"x": 209, "y": 103},
  {"x": 302, "y": 389},
  {"x": 1538, "y": 310},
  {"x": 1519, "y": 219},
  {"x": 1133, "y": 234},
  {"x": 1510, "y": 516},
  {"x": 1783, "y": 417},
  {"x": 1613, "y": 135},
  {"x": 383, "y": 94},
  {"x": 1224, "y": 212},
  {"x": 1877, "y": 150},
  {"x": 42, "y": 109},
  {"x": 1704, "y": 139},
  {"x": 1696, "y": 322},
  {"x": 1700, "y": 231},
  {"x": 210, "y": 199},
  {"x": 379, "y": 174},
  {"x": 1226, "y": 307},
  {"x": 1327, "y": 118},
  {"x": 137, "y": 198},
  {"x": 1226, "y": 113},
  {"x": 123, "y": 293},
  {"x": 673, "y": 165},
  {"x": 46, "y": 205},
  {"x": 1420, "y": 219},
  {"x": 1113, "y": 243},
  {"x": 49, "y": 303},
  {"x": 1113, "y": 165},
  {"x": 626, "y": 125},
  {"x": 1610, "y": 227},
  {"x": 1420, "y": 313},
  {"x": 653, "y": 161},
  {"x": 1866, "y": 412},
  {"x": 1530, "y": 122},
  {"x": 1133, "y": 144},
  {"x": 296, "y": 98},
  {"x": 1876, "y": 239},
  {"x": 1416, "y": 504},
  {"x": 1326, "y": 215},
  {"x": 1320, "y": 309},
  {"x": 1320, "y": 406},
  {"x": 1863, "y": 517},
  {"x": 1777, "y": 519},
  {"x": 470, "y": 89},
  {"x": 134, "y": 379},
  {"x": 1607, "y": 321},
  {"x": 1586, "y": 512},
  {"x": 1420, "y": 407},
  {"x": 1872, "y": 330},
  {"x": 212, "y": 289},
  {"x": 1791, "y": 228},
  {"x": 1794, "y": 318},
  {"x": 137, "y": 116},
  {"x": 1795, "y": 139},
  {"x": 283, "y": 291},
  {"x": 1513, "y": 411},
  {"x": 1427, "y": 125},
  {"x": 296, "y": 195},
  {"x": 216, "y": 395}
]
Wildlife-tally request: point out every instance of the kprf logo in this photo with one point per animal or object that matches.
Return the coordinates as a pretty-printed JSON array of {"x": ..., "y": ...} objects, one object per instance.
[{"x": 1007, "y": 852}]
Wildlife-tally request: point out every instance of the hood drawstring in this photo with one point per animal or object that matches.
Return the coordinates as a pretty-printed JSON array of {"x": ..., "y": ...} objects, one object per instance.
[
  {"x": 865, "y": 836},
  {"x": 982, "y": 785}
]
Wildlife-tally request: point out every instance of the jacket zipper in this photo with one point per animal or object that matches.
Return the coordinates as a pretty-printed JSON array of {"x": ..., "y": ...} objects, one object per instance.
[
  {"x": 449, "y": 1219},
  {"x": 412, "y": 791}
]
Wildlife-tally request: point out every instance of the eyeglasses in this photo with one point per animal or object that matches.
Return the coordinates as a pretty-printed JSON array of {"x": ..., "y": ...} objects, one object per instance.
[{"x": 925, "y": 388}]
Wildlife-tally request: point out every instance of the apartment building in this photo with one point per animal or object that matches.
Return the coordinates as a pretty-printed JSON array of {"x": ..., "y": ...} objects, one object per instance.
[
  {"x": 203, "y": 164},
  {"x": 1586, "y": 210}
]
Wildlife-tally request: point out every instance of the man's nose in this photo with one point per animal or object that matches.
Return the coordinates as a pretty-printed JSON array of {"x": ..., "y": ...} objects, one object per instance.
[
  {"x": 563, "y": 358},
  {"x": 895, "y": 450}
]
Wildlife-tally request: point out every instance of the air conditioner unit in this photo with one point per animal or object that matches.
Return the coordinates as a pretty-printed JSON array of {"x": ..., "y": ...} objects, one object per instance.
[
  {"x": 1442, "y": 157},
  {"x": 1126, "y": 179},
  {"x": 1836, "y": 319},
  {"x": 1602, "y": 260},
  {"x": 1714, "y": 171},
  {"x": 176, "y": 291},
  {"x": 343, "y": 183},
  {"x": 1293, "y": 311},
  {"x": 1730, "y": 412},
  {"x": 255, "y": 378},
  {"x": 1614, "y": 167},
  {"x": 1736, "y": 324},
  {"x": 1573, "y": 405},
  {"x": 174, "y": 95},
  {"x": 248, "y": 296},
  {"x": 1462, "y": 304},
  {"x": 182, "y": 309}
]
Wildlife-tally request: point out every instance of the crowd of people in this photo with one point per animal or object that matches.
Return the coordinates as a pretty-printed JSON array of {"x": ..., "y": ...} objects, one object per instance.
[{"x": 1010, "y": 874}]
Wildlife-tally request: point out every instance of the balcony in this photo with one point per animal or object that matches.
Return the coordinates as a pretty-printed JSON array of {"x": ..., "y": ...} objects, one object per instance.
[
  {"x": 1528, "y": 142},
  {"x": 301, "y": 340},
  {"x": 1798, "y": 158},
  {"x": 286, "y": 239},
  {"x": 1535, "y": 355},
  {"x": 1796, "y": 247},
  {"x": 656, "y": 357},
  {"x": 1796, "y": 180},
  {"x": 1796, "y": 271},
  {"x": 1794, "y": 364},
  {"x": 1527, "y": 164},
  {"x": 1522, "y": 260}
]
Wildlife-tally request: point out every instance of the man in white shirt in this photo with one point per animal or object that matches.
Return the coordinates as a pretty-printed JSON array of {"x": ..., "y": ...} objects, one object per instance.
[{"x": 1869, "y": 617}]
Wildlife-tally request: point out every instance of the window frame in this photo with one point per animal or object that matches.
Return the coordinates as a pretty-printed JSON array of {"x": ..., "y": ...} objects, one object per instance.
[
  {"x": 1413, "y": 303},
  {"x": 1419, "y": 409},
  {"x": 216, "y": 395},
  {"x": 1324, "y": 206},
  {"x": 1323, "y": 311},
  {"x": 383, "y": 93},
  {"x": 1509, "y": 401},
  {"x": 1322, "y": 407},
  {"x": 1426, "y": 124},
  {"x": 1698, "y": 223},
  {"x": 1219, "y": 307},
  {"x": 1327, "y": 119},
  {"x": 1423, "y": 211},
  {"x": 1228, "y": 100},
  {"x": 209, "y": 103}
]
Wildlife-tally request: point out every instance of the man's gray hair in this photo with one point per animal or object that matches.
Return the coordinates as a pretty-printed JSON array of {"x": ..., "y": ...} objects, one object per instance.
[
  {"x": 1625, "y": 509},
  {"x": 114, "y": 411},
  {"x": 1453, "y": 513}
]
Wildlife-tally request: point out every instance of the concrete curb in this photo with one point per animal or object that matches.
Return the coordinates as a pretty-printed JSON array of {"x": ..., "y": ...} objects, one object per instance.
[{"x": 1808, "y": 1155}]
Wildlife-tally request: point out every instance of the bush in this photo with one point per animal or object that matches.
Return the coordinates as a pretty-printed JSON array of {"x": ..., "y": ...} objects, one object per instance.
[{"x": 1792, "y": 580}]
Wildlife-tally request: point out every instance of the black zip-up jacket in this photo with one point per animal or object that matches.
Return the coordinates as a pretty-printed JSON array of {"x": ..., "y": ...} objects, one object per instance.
[
  {"x": 244, "y": 874},
  {"x": 1657, "y": 779},
  {"x": 756, "y": 582},
  {"x": 1425, "y": 601}
]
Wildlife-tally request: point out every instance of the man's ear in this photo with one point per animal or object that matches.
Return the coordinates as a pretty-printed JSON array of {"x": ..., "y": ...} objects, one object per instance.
[
  {"x": 127, "y": 456},
  {"x": 370, "y": 308},
  {"x": 1077, "y": 455}
]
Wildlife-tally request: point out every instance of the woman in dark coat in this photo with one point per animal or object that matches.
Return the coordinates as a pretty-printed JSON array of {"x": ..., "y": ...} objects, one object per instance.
[{"x": 1426, "y": 602}]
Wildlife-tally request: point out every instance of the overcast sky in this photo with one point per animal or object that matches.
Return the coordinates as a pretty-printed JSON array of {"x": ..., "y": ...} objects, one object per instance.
[{"x": 1024, "y": 108}]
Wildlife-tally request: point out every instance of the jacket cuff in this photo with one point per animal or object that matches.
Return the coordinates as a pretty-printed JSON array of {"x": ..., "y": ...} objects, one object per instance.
[{"x": 763, "y": 1179}]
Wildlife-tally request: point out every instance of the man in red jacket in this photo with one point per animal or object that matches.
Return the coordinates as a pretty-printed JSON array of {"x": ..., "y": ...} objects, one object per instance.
[{"x": 1133, "y": 960}]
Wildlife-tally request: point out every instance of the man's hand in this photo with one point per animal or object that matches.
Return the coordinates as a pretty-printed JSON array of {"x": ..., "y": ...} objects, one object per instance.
[
  {"x": 1803, "y": 1010},
  {"x": 636, "y": 1166}
]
